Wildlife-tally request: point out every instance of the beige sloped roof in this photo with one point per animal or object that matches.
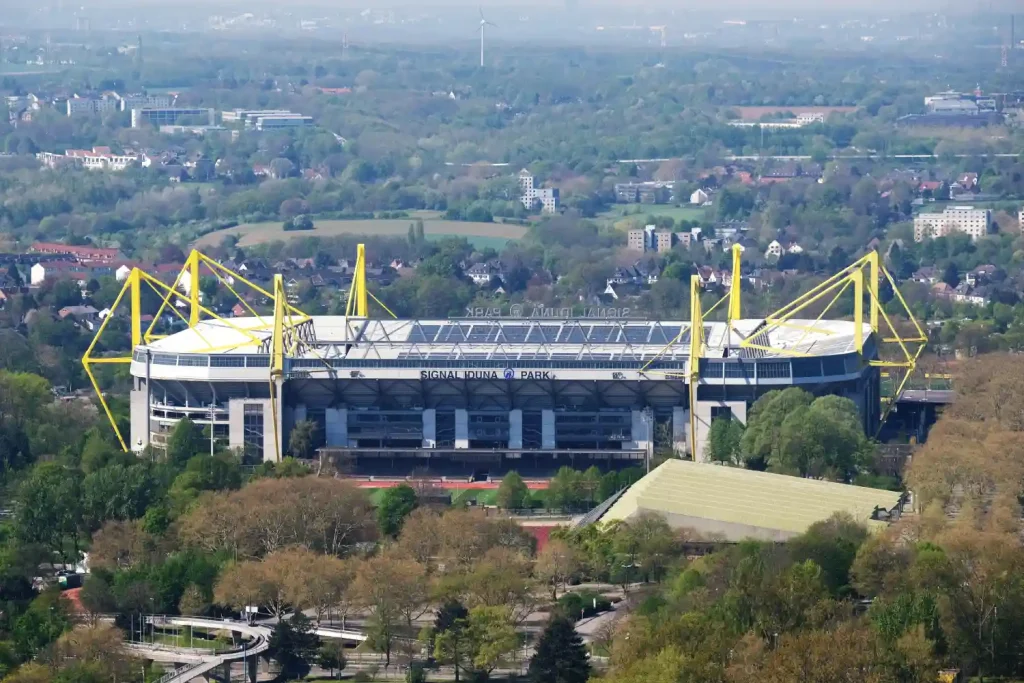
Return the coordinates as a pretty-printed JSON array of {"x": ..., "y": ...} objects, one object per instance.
[{"x": 740, "y": 503}]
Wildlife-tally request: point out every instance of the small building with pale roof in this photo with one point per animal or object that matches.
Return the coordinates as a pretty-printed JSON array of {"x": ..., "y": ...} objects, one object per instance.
[{"x": 733, "y": 504}]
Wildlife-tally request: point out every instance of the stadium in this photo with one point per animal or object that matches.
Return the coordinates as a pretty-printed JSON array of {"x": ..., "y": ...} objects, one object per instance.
[{"x": 489, "y": 394}]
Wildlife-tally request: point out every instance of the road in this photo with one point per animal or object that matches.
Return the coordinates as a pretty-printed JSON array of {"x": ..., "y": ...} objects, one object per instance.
[{"x": 198, "y": 662}]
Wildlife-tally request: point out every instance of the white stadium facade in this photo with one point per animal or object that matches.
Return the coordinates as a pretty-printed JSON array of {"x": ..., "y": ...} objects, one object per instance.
[
  {"x": 488, "y": 394},
  {"x": 544, "y": 392}
]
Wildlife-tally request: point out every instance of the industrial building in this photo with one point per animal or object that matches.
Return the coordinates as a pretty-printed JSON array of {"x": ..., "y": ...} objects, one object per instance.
[
  {"x": 168, "y": 116},
  {"x": 530, "y": 390},
  {"x": 281, "y": 121}
]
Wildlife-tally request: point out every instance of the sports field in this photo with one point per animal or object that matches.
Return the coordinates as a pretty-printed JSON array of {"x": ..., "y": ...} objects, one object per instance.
[
  {"x": 482, "y": 235},
  {"x": 623, "y": 215}
]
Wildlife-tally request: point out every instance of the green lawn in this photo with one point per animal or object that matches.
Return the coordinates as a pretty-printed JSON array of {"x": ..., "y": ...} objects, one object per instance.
[
  {"x": 620, "y": 214},
  {"x": 459, "y": 496},
  {"x": 480, "y": 234}
]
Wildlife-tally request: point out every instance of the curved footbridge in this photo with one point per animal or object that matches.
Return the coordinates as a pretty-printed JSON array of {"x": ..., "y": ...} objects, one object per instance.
[{"x": 196, "y": 663}]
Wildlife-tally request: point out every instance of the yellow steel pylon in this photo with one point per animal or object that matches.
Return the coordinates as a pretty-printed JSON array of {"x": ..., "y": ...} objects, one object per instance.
[
  {"x": 280, "y": 325},
  {"x": 864, "y": 276}
]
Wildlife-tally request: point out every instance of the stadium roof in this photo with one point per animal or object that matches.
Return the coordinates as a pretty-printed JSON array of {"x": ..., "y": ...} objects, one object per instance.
[
  {"x": 738, "y": 503},
  {"x": 479, "y": 339}
]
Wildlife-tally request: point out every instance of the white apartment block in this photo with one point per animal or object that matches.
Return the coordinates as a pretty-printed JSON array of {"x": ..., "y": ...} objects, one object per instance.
[
  {"x": 85, "y": 106},
  {"x": 1020, "y": 220},
  {"x": 531, "y": 196},
  {"x": 129, "y": 102},
  {"x": 965, "y": 219}
]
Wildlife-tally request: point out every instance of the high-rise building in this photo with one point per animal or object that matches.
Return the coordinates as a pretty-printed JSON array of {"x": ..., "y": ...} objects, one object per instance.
[{"x": 532, "y": 196}]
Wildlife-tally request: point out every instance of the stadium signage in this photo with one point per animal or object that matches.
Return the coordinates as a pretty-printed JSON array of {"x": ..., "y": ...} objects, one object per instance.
[
  {"x": 531, "y": 312},
  {"x": 508, "y": 373}
]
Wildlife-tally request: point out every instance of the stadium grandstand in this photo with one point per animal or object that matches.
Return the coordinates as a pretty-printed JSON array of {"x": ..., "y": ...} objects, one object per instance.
[{"x": 484, "y": 394}]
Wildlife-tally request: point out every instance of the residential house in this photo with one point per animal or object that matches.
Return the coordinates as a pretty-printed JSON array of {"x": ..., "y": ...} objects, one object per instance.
[
  {"x": 699, "y": 197},
  {"x": 981, "y": 275},
  {"x": 85, "y": 315},
  {"x": 646, "y": 273},
  {"x": 966, "y": 294},
  {"x": 774, "y": 249},
  {"x": 942, "y": 290},
  {"x": 926, "y": 275},
  {"x": 968, "y": 181},
  {"x": 480, "y": 273}
]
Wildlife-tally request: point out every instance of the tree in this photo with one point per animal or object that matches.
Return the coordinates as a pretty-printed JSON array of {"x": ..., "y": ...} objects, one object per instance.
[
  {"x": 512, "y": 492},
  {"x": 832, "y": 545},
  {"x": 92, "y": 653},
  {"x": 824, "y": 439},
  {"x": 564, "y": 489},
  {"x": 300, "y": 441},
  {"x": 294, "y": 645},
  {"x": 49, "y": 509},
  {"x": 449, "y": 628},
  {"x": 46, "y": 618},
  {"x": 193, "y": 601},
  {"x": 331, "y": 656},
  {"x": 186, "y": 441},
  {"x": 118, "y": 492},
  {"x": 396, "y": 504},
  {"x": 647, "y": 542},
  {"x": 560, "y": 656},
  {"x": 556, "y": 564},
  {"x": 320, "y": 514},
  {"x": 724, "y": 439},
  {"x": 394, "y": 589},
  {"x": 762, "y": 437}
]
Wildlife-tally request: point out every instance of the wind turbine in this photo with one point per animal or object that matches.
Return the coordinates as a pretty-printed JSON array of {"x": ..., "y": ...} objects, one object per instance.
[{"x": 483, "y": 23}]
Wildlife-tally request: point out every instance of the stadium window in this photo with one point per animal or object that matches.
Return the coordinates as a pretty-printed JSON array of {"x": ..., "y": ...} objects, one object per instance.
[
  {"x": 227, "y": 362},
  {"x": 773, "y": 370},
  {"x": 736, "y": 370},
  {"x": 252, "y": 428},
  {"x": 711, "y": 369}
]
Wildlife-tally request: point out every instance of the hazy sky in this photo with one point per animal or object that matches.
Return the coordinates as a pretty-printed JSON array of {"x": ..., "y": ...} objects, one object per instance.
[{"x": 758, "y": 6}]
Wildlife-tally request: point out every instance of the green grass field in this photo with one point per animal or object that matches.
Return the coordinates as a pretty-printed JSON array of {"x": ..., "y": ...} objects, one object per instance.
[
  {"x": 459, "y": 496},
  {"x": 482, "y": 235},
  {"x": 621, "y": 215}
]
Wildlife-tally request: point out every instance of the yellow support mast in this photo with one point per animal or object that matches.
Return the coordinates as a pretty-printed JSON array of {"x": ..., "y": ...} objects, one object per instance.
[
  {"x": 735, "y": 312},
  {"x": 357, "y": 305},
  {"x": 696, "y": 353},
  {"x": 193, "y": 288}
]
